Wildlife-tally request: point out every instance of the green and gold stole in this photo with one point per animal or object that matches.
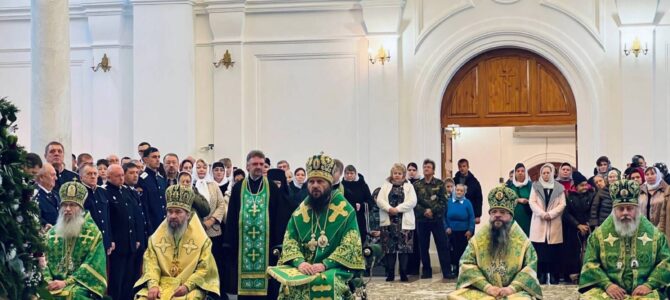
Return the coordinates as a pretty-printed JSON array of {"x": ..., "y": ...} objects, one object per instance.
[{"x": 254, "y": 240}]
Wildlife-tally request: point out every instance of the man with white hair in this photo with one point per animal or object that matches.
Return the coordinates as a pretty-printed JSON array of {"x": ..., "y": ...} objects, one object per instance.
[
  {"x": 626, "y": 257},
  {"x": 178, "y": 261},
  {"x": 76, "y": 265}
]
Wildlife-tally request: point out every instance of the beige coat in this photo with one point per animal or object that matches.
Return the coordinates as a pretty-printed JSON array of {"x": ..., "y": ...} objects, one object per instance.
[
  {"x": 218, "y": 205},
  {"x": 541, "y": 230},
  {"x": 664, "y": 218},
  {"x": 658, "y": 199}
]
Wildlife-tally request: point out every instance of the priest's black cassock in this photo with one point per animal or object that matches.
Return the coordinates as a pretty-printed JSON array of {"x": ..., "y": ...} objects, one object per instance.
[{"x": 279, "y": 214}]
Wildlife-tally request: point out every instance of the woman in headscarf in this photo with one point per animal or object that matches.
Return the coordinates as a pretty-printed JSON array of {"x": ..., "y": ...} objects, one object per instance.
[
  {"x": 653, "y": 195},
  {"x": 396, "y": 201},
  {"x": 601, "y": 208},
  {"x": 521, "y": 185},
  {"x": 214, "y": 223},
  {"x": 547, "y": 201},
  {"x": 565, "y": 176},
  {"x": 357, "y": 192},
  {"x": 186, "y": 166},
  {"x": 576, "y": 225},
  {"x": 635, "y": 174}
]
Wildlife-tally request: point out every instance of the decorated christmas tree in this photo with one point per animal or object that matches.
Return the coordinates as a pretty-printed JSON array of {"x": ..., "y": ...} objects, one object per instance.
[{"x": 20, "y": 239}]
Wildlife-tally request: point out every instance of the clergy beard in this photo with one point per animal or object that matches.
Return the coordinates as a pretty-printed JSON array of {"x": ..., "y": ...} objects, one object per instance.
[
  {"x": 499, "y": 238},
  {"x": 626, "y": 227},
  {"x": 176, "y": 230},
  {"x": 318, "y": 204},
  {"x": 69, "y": 227}
]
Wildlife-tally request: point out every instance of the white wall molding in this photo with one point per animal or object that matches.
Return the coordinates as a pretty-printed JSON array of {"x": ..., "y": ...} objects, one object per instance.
[
  {"x": 423, "y": 31},
  {"x": 595, "y": 29}
]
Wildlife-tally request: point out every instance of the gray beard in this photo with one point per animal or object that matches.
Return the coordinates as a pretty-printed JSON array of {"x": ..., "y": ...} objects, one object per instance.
[
  {"x": 499, "y": 239},
  {"x": 625, "y": 229},
  {"x": 177, "y": 232},
  {"x": 69, "y": 229}
]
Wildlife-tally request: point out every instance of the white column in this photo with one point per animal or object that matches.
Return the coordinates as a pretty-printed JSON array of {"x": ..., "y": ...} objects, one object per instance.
[
  {"x": 163, "y": 75},
  {"x": 50, "y": 87}
]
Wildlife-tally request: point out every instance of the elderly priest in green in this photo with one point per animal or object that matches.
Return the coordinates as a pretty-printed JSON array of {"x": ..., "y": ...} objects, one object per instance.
[
  {"x": 499, "y": 262},
  {"x": 626, "y": 257},
  {"x": 76, "y": 261},
  {"x": 322, "y": 246}
]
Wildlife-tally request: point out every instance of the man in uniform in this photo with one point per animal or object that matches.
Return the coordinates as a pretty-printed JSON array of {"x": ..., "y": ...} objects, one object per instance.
[
  {"x": 152, "y": 186},
  {"x": 53, "y": 153}
]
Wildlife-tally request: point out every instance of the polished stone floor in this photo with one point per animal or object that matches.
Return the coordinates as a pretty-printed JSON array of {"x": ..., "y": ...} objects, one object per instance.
[{"x": 430, "y": 289}]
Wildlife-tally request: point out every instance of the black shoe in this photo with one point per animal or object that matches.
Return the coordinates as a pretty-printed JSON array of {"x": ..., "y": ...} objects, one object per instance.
[
  {"x": 390, "y": 278},
  {"x": 403, "y": 278},
  {"x": 542, "y": 277},
  {"x": 554, "y": 279},
  {"x": 426, "y": 276}
]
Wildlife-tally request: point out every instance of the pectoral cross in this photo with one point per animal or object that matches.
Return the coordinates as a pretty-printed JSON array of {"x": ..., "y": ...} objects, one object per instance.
[
  {"x": 254, "y": 210},
  {"x": 253, "y": 255},
  {"x": 337, "y": 210},
  {"x": 253, "y": 233}
]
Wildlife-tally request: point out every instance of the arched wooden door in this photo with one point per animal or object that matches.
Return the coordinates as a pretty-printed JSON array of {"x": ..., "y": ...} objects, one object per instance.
[{"x": 505, "y": 87}]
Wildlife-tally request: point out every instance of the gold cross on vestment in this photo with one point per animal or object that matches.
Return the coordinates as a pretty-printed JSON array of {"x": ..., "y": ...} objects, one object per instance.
[
  {"x": 190, "y": 246},
  {"x": 253, "y": 233},
  {"x": 645, "y": 239},
  {"x": 86, "y": 237},
  {"x": 253, "y": 255},
  {"x": 611, "y": 239},
  {"x": 337, "y": 210},
  {"x": 303, "y": 210},
  {"x": 254, "y": 209},
  {"x": 163, "y": 245}
]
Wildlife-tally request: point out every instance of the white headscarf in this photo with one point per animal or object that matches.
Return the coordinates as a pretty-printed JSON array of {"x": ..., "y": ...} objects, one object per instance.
[
  {"x": 201, "y": 184},
  {"x": 520, "y": 184},
  {"x": 547, "y": 184},
  {"x": 659, "y": 178}
]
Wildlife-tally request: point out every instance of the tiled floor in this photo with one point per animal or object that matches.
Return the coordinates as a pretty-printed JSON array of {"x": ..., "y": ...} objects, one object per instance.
[{"x": 420, "y": 289}]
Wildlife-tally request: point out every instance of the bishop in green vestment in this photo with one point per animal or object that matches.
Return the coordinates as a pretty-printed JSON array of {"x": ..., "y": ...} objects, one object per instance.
[
  {"x": 499, "y": 262},
  {"x": 626, "y": 257},
  {"x": 322, "y": 248},
  {"x": 76, "y": 261}
]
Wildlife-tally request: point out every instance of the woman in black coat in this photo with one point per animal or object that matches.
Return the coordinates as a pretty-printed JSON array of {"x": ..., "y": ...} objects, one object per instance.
[{"x": 576, "y": 226}]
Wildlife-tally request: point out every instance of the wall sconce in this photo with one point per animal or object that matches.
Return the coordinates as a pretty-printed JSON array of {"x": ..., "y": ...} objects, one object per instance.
[
  {"x": 226, "y": 61},
  {"x": 454, "y": 129},
  {"x": 382, "y": 56},
  {"x": 635, "y": 48},
  {"x": 103, "y": 64}
]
